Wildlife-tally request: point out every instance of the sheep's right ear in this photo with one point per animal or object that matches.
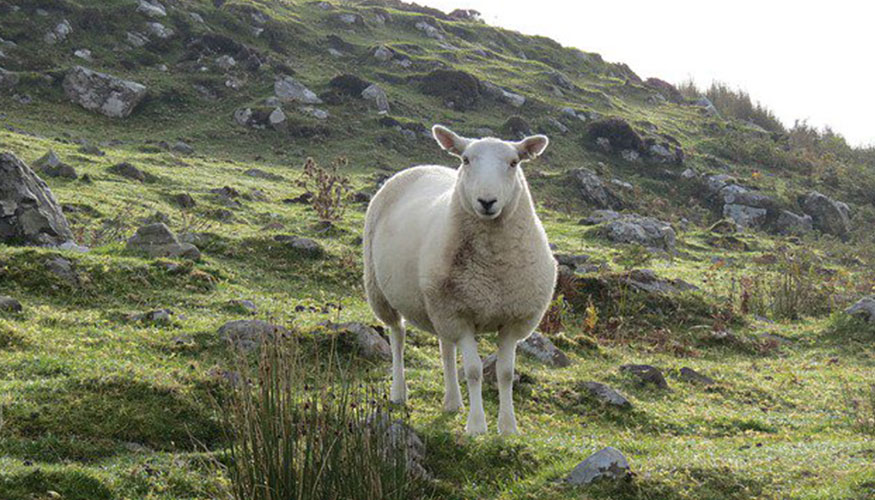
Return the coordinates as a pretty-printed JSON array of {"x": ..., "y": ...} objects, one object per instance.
[{"x": 449, "y": 140}]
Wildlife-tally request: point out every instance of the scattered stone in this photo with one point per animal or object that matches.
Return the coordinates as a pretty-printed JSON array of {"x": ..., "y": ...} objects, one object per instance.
[
  {"x": 516, "y": 127},
  {"x": 83, "y": 54},
  {"x": 574, "y": 262},
  {"x": 29, "y": 214},
  {"x": 156, "y": 240},
  {"x": 304, "y": 246},
  {"x": 248, "y": 334},
  {"x": 600, "y": 217},
  {"x": 63, "y": 269},
  {"x": 499, "y": 94},
  {"x": 383, "y": 53},
  {"x": 151, "y": 8},
  {"x": 646, "y": 374},
  {"x": 159, "y": 30},
  {"x": 8, "y": 304},
  {"x": 490, "y": 374},
  {"x": 60, "y": 33},
  {"x": 829, "y": 216},
  {"x": 693, "y": 377},
  {"x": 181, "y": 147},
  {"x": 378, "y": 96},
  {"x": 646, "y": 231},
  {"x": 429, "y": 30},
  {"x": 288, "y": 89},
  {"x": 317, "y": 113},
  {"x": 399, "y": 437},
  {"x": 367, "y": 341},
  {"x": 136, "y": 39},
  {"x": 226, "y": 62},
  {"x": 103, "y": 93},
  {"x": 606, "y": 395},
  {"x": 277, "y": 118},
  {"x": 242, "y": 305},
  {"x": 163, "y": 316},
  {"x": 542, "y": 349},
  {"x": 350, "y": 19},
  {"x": 90, "y": 149},
  {"x": 52, "y": 166},
  {"x": 646, "y": 280},
  {"x": 864, "y": 308},
  {"x": 607, "y": 464},
  {"x": 261, "y": 174},
  {"x": 709, "y": 109},
  {"x": 184, "y": 200},
  {"x": 125, "y": 169},
  {"x": 593, "y": 190}
]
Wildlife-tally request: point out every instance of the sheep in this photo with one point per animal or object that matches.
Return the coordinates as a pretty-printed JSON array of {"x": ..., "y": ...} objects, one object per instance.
[{"x": 460, "y": 252}]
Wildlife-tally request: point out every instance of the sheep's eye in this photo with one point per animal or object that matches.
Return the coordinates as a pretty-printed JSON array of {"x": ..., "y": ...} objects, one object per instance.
[
  {"x": 514, "y": 163},
  {"x": 465, "y": 160}
]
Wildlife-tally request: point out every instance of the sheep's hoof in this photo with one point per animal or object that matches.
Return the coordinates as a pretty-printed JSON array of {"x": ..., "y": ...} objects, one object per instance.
[
  {"x": 452, "y": 406},
  {"x": 398, "y": 396},
  {"x": 507, "y": 426},
  {"x": 476, "y": 427}
]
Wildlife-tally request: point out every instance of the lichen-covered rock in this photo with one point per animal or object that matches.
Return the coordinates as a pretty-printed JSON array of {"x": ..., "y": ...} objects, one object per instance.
[
  {"x": 497, "y": 93},
  {"x": 8, "y": 304},
  {"x": 693, "y": 377},
  {"x": 151, "y": 8},
  {"x": 607, "y": 463},
  {"x": 29, "y": 214},
  {"x": 646, "y": 280},
  {"x": 109, "y": 95},
  {"x": 156, "y": 240},
  {"x": 829, "y": 216},
  {"x": 593, "y": 190}
]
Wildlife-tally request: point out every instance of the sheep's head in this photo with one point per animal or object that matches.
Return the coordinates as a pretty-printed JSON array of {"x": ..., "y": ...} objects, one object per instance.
[{"x": 490, "y": 181}]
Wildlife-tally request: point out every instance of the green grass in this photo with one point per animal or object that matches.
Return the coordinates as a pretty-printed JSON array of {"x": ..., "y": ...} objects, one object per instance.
[{"x": 95, "y": 405}]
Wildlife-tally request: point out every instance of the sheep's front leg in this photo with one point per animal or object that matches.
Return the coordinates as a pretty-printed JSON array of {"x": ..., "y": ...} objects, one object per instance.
[
  {"x": 452, "y": 393},
  {"x": 504, "y": 372},
  {"x": 474, "y": 373},
  {"x": 398, "y": 392}
]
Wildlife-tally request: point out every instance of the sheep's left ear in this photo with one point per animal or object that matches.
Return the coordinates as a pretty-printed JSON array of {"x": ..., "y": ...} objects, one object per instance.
[
  {"x": 531, "y": 147},
  {"x": 449, "y": 140}
]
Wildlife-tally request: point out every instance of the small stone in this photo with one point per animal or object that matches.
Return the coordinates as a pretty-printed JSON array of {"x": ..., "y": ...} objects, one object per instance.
[
  {"x": 607, "y": 395},
  {"x": 261, "y": 174},
  {"x": 136, "y": 39},
  {"x": 540, "y": 347},
  {"x": 159, "y": 30},
  {"x": 63, "y": 269},
  {"x": 646, "y": 374},
  {"x": 317, "y": 113},
  {"x": 246, "y": 306},
  {"x": 248, "y": 334},
  {"x": 304, "y": 246},
  {"x": 692, "y": 376},
  {"x": 151, "y": 8},
  {"x": 378, "y": 96},
  {"x": 163, "y": 316},
  {"x": 383, "y": 54},
  {"x": 181, "y": 147},
  {"x": 864, "y": 308},
  {"x": 125, "y": 169},
  {"x": 83, "y": 54},
  {"x": 184, "y": 200},
  {"x": 607, "y": 463},
  {"x": 288, "y": 89},
  {"x": 156, "y": 240},
  {"x": 8, "y": 304}
]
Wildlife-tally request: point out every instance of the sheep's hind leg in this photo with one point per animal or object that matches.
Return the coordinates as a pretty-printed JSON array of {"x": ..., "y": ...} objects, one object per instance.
[
  {"x": 504, "y": 372},
  {"x": 398, "y": 392},
  {"x": 474, "y": 373},
  {"x": 452, "y": 393}
]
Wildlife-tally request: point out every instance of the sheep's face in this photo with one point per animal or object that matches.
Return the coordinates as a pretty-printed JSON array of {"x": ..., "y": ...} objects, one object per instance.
[{"x": 490, "y": 180}]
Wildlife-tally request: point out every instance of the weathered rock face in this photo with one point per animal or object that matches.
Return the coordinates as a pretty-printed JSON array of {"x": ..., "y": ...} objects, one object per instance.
[
  {"x": 608, "y": 463},
  {"x": 156, "y": 240},
  {"x": 865, "y": 308},
  {"x": 829, "y": 216},
  {"x": 593, "y": 190},
  {"x": 29, "y": 213},
  {"x": 646, "y": 231},
  {"x": 103, "y": 93}
]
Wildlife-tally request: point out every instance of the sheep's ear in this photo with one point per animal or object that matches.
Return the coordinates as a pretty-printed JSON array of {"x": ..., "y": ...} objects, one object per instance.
[
  {"x": 449, "y": 140},
  {"x": 532, "y": 147}
]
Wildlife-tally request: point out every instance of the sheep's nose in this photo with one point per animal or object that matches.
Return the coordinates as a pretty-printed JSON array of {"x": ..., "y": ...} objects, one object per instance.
[{"x": 486, "y": 204}]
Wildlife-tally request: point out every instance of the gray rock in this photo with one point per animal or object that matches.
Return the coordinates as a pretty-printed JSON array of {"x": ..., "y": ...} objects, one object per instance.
[
  {"x": 125, "y": 169},
  {"x": 646, "y": 374},
  {"x": 499, "y": 94},
  {"x": 710, "y": 109},
  {"x": 242, "y": 116},
  {"x": 600, "y": 217},
  {"x": 606, "y": 395},
  {"x": 693, "y": 377},
  {"x": 63, "y": 270},
  {"x": 629, "y": 154},
  {"x": 400, "y": 438},
  {"x": 319, "y": 114},
  {"x": 745, "y": 217},
  {"x": 304, "y": 246},
  {"x": 159, "y": 30},
  {"x": 60, "y": 32},
  {"x": 184, "y": 200},
  {"x": 383, "y": 53},
  {"x": 574, "y": 262},
  {"x": 136, "y": 39},
  {"x": 828, "y": 215},
  {"x": 151, "y": 8},
  {"x": 181, "y": 147},
  {"x": 542, "y": 349},
  {"x": 608, "y": 464},
  {"x": 103, "y": 93},
  {"x": 29, "y": 213},
  {"x": 429, "y": 30},
  {"x": 277, "y": 118},
  {"x": 864, "y": 308},
  {"x": 248, "y": 334},
  {"x": 378, "y": 96},
  {"x": 647, "y": 281},
  {"x": 367, "y": 341},
  {"x": 646, "y": 231},
  {"x": 559, "y": 79},
  {"x": 287, "y": 89},
  {"x": 156, "y": 240},
  {"x": 8, "y": 304},
  {"x": 52, "y": 166},
  {"x": 557, "y": 125},
  {"x": 593, "y": 190},
  {"x": 789, "y": 223},
  {"x": 163, "y": 316},
  {"x": 246, "y": 306},
  {"x": 350, "y": 19},
  {"x": 226, "y": 62}
]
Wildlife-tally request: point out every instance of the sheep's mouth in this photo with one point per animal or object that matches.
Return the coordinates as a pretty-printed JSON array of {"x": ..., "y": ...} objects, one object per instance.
[{"x": 492, "y": 214}]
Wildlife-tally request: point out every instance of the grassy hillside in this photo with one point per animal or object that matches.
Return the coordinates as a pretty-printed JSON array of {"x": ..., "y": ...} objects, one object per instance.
[{"x": 96, "y": 403}]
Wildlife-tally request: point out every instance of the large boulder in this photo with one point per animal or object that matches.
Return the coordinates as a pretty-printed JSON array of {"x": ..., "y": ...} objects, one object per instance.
[
  {"x": 103, "y": 93},
  {"x": 646, "y": 231},
  {"x": 156, "y": 240},
  {"x": 29, "y": 213},
  {"x": 593, "y": 190},
  {"x": 829, "y": 216}
]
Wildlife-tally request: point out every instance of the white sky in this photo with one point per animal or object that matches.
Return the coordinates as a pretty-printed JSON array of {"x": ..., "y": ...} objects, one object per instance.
[{"x": 803, "y": 59}]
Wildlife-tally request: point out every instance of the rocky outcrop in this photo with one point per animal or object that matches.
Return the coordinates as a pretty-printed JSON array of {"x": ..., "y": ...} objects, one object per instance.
[
  {"x": 593, "y": 190},
  {"x": 829, "y": 216},
  {"x": 29, "y": 214},
  {"x": 103, "y": 93}
]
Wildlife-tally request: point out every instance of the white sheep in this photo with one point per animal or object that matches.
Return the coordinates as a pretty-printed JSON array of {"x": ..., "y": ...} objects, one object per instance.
[{"x": 459, "y": 252}]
